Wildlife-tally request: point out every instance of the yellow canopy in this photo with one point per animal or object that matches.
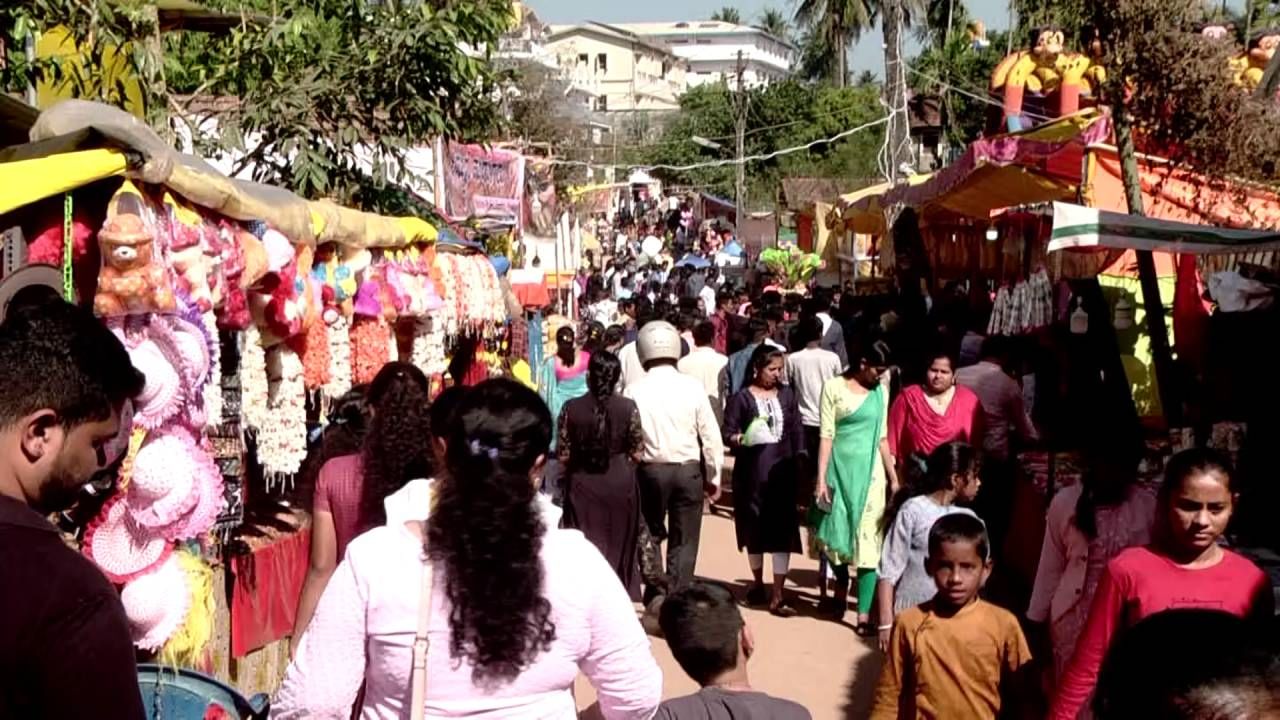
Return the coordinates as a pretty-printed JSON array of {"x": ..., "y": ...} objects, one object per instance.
[{"x": 26, "y": 181}]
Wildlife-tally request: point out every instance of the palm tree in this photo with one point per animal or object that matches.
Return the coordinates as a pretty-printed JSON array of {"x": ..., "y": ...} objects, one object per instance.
[
  {"x": 728, "y": 15},
  {"x": 837, "y": 23},
  {"x": 774, "y": 22}
]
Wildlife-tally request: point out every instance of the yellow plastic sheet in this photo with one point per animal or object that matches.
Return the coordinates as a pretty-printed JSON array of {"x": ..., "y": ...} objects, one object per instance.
[{"x": 26, "y": 181}]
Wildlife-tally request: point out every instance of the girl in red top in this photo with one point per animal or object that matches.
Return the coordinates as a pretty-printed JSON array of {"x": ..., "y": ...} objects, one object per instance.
[{"x": 1184, "y": 567}]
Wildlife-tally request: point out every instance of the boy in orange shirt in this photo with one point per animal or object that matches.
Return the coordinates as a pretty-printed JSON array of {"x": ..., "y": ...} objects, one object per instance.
[{"x": 955, "y": 657}]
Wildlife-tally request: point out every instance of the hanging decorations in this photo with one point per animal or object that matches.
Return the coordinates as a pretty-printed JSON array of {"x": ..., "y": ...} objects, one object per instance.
[
  {"x": 1024, "y": 308},
  {"x": 282, "y": 443}
]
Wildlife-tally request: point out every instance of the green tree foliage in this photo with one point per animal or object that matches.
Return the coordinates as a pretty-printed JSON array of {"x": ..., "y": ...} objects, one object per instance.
[
  {"x": 781, "y": 115},
  {"x": 317, "y": 84},
  {"x": 830, "y": 26},
  {"x": 960, "y": 74},
  {"x": 727, "y": 14},
  {"x": 774, "y": 22}
]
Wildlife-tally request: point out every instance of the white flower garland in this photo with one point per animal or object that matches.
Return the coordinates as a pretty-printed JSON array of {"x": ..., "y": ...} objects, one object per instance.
[
  {"x": 253, "y": 380},
  {"x": 213, "y": 386},
  {"x": 339, "y": 360},
  {"x": 282, "y": 443}
]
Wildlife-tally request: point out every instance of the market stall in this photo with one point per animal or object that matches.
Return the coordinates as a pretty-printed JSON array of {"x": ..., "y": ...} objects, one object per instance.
[{"x": 248, "y": 309}]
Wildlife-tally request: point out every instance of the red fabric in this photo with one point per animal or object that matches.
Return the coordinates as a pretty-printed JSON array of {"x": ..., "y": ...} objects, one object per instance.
[
  {"x": 914, "y": 427},
  {"x": 1190, "y": 313},
  {"x": 532, "y": 294},
  {"x": 1138, "y": 583},
  {"x": 264, "y": 594}
]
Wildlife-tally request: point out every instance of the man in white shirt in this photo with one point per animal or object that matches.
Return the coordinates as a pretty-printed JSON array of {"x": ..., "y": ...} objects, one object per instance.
[
  {"x": 807, "y": 371},
  {"x": 708, "y": 366},
  {"x": 682, "y": 455}
]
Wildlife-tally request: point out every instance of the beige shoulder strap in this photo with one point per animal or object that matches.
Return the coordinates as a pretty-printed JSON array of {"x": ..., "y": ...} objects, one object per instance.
[{"x": 418, "y": 699}]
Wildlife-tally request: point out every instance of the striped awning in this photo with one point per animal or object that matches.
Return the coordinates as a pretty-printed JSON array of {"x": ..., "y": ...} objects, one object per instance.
[{"x": 1076, "y": 226}]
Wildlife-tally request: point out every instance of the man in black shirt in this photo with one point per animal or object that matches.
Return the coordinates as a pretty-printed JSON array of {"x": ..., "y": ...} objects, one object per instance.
[{"x": 65, "y": 650}]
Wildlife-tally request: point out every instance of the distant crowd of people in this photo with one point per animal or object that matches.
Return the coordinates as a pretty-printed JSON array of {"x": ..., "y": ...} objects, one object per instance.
[{"x": 474, "y": 552}]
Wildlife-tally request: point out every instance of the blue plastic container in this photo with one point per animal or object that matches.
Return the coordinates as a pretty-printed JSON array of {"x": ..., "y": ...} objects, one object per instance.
[{"x": 169, "y": 694}]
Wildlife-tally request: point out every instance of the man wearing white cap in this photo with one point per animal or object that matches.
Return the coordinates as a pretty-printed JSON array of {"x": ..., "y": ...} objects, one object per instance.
[
  {"x": 67, "y": 651},
  {"x": 682, "y": 453}
]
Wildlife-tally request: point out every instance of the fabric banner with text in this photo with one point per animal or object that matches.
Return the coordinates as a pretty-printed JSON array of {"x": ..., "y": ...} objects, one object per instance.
[{"x": 483, "y": 183}]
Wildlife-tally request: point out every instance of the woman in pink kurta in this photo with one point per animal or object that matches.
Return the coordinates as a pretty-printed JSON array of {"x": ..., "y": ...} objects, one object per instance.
[
  {"x": 518, "y": 607},
  {"x": 937, "y": 412}
]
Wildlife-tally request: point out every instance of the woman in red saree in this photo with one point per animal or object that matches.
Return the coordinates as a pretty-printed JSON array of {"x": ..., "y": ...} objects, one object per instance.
[{"x": 937, "y": 412}]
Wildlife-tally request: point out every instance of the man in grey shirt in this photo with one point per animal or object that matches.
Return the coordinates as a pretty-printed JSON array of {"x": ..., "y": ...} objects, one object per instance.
[{"x": 708, "y": 638}]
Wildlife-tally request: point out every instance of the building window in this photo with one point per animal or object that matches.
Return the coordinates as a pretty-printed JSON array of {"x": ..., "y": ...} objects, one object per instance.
[
  {"x": 602, "y": 104},
  {"x": 582, "y": 58},
  {"x": 602, "y": 62}
]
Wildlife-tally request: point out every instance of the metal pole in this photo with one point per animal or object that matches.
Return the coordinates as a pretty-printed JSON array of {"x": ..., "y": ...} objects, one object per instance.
[{"x": 740, "y": 130}]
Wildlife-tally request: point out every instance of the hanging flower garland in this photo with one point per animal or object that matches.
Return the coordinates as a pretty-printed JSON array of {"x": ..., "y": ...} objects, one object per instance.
[
  {"x": 339, "y": 338},
  {"x": 253, "y": 379},
  {"x": 282, "y": 443}
]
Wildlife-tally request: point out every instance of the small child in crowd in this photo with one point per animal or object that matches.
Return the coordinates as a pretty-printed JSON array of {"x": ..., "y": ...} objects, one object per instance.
[
  {"x": 956, "y": 656},
  {"x": 711, "y": 642}
]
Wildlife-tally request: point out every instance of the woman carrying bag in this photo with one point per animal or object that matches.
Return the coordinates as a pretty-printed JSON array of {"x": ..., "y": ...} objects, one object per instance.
[{"x": 513, "y": 609}]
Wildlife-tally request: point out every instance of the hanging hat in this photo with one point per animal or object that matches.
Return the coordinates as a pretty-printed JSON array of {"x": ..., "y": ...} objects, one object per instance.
[
  {"x": 161, "y": 396},
  {"x": 177, "y": 508},
  {"x": 121, "y": 548},
  {"x": 161, "y": 492},
  {"x": 156, "y": 604},
  {"x": 193, "y": 347}
]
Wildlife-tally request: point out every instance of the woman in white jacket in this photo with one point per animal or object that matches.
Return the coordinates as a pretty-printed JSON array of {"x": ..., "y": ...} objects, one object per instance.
[{"x": 518, "y": 608}]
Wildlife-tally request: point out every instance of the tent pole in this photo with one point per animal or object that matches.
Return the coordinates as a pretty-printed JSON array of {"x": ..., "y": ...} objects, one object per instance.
[{"x": 1161, "y": 353}]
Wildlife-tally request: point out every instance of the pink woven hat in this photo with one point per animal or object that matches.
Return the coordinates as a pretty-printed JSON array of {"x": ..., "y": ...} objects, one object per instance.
[
  {"x": 157, "y": 604},
  {"x": 161, "y": 397},
  {"x": 176, "y": 488},
  {"x": 121, "y": 548},
  {"x": 162, "y": 490}
]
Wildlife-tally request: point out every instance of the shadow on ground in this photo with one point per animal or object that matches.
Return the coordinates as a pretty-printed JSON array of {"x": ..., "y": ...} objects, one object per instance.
[{"x": 862, "y": 686}]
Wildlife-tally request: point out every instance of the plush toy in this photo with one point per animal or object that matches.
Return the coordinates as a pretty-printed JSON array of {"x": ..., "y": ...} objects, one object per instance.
[
  {"x": 233, "y": 311},
  {"x": 1253, "y": 64},
  {"x": 133, "y": 278},
  {"x": 1036, "y": 71}
]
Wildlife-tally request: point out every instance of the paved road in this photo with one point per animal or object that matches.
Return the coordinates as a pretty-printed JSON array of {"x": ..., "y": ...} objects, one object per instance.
[{"x": 820, "y": 664}]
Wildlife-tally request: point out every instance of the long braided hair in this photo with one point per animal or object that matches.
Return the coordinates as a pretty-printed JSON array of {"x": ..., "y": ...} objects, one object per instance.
[
  {"x": 603, "y": 372},
  {"x": 397, "y": 446}
]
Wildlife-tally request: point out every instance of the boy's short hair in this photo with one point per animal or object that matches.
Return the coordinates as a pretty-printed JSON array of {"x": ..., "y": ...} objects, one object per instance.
[
  {"x": 702, "y": 625},
  {"x": 959, "y": 526}
]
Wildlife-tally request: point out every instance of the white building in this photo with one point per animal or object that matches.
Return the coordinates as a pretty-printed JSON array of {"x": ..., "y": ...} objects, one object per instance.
[
  {"x": 712, "y": 50},
  {"x": 626, "y": 72}
]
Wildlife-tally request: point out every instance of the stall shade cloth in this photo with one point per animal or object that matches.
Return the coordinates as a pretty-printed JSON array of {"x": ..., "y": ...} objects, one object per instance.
[
  {"x": 1076, "y": 226},
  {"x": 26, "y": 181}
]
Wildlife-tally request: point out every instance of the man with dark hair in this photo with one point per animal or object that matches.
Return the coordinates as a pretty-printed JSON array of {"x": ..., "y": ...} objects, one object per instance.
[
  {"x": 708, "y": 638},
  {"x": 808, "y": 370},
  {"x": 708, "y": 366},
  {"x": 758, "y": 330},
  {"x": 66, "y": 652},
  {"x": 832, "y": 336},
  {"x": 1004, "y": 414}
]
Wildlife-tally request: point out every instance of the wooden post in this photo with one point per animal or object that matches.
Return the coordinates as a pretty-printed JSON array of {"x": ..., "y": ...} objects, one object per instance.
[{"x": 1161, "y": 352}]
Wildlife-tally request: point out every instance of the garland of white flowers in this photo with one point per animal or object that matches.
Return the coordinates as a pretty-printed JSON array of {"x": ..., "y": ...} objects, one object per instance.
[
  {"x": 253, "y": 380},
  {"x": 282, "y": 443},
  {"x": 339, "y": 361},
  {"x": 213, "y": 386}
]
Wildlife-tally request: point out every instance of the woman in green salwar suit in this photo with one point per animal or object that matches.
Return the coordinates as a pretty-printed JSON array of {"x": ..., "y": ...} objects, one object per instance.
[{"x": 855, "y": 476}]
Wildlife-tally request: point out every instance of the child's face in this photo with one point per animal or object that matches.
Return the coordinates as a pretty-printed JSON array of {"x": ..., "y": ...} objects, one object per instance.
[
  {"x": 958, "y": 571},
  {"x": 966, "y": 485},
  {"x": 1198, "y": 511}
]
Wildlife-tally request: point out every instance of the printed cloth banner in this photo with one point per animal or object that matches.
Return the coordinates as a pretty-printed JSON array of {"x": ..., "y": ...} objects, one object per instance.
[
  {"x": 1076, "y": 226},
  {"x": 482, "y": 183}
]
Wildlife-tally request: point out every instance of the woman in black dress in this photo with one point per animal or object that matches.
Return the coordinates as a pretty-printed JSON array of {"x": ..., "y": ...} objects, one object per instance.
[
  {"x": 762, "y": 425},
  {"x": 600, "y": 439}
]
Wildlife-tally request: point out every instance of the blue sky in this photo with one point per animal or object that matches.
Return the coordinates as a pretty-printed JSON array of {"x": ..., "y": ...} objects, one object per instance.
[{"x": 867, "y": 53}]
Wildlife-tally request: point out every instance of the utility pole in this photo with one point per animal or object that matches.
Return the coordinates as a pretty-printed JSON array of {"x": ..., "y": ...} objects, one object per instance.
[
  {"x": 739, "y": 97},
  {"x": 895, "y": 90}
]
